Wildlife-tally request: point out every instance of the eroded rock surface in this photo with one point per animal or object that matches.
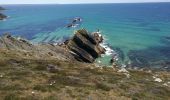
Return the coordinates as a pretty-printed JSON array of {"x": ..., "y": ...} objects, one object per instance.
[{"x": 86, "y": 46}]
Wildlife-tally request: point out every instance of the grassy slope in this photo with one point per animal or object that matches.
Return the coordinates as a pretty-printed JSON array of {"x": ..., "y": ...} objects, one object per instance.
[{"x": 29, "y": 79}]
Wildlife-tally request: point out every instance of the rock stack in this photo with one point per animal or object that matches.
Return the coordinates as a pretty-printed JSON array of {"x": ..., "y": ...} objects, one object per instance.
[{"x": 85, "y": 46}]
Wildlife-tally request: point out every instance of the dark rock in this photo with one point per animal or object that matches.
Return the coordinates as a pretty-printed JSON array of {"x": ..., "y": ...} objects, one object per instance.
[
  {"x": 76, "y": 20},
  {"x": 70, "y": 25},
  {"x": 97, "y": 38},
  {"x": 86, "y": 46},
  {"x": 2, "y": 16}
]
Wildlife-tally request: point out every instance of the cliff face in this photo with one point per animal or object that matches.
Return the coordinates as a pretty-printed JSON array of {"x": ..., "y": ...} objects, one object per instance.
[{"x": 86, "y": 46}]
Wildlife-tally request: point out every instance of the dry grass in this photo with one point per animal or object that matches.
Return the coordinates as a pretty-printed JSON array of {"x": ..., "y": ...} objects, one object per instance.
[{"x": 29, "y": 79}]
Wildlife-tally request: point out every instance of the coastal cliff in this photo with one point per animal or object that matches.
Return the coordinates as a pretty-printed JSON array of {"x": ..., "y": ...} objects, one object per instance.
[
  {"x": 68, "y": 72},
  {"x": 2, "y": 16}
]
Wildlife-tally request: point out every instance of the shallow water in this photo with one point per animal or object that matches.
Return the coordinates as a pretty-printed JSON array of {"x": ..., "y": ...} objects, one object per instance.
[{"x": 138, "y": 32}]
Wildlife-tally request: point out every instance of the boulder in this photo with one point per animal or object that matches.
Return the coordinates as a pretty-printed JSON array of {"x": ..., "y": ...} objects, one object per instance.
[{"x": 85, "y": 46}]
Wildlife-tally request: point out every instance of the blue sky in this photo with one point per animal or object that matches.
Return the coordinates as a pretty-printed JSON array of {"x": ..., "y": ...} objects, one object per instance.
[{"x": 74, "y": 1}]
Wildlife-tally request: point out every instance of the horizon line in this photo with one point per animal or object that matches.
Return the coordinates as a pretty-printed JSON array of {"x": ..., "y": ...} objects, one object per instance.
[{"x": 79, "y": 3}]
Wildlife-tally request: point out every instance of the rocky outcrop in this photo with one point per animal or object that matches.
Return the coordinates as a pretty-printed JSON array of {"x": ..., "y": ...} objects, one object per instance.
[
  {"x": 29, "y": 50},
  {"x": 86, "y": 46},
  {"x": 83, "y": 46},
  {"x": 2, "y": 16},
  {"x": 9, "y": 42}
]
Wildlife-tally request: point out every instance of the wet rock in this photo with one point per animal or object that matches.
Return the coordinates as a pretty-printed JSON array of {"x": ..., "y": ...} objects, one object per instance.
[
  {"x": 70, "y": 25},
  {"x": 86, "y": 46},
  {"x": 77, "y": 20}
]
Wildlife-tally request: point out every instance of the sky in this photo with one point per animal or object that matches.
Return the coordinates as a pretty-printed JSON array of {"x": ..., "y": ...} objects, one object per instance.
[{"x": 74, "y": 1}]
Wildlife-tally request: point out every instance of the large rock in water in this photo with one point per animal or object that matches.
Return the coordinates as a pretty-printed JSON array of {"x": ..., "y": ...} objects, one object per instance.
[{"x": 86, "y": 46}]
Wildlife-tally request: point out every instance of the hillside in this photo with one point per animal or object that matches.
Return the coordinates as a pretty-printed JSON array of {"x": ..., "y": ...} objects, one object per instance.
[{"x": 57, "y": 72}]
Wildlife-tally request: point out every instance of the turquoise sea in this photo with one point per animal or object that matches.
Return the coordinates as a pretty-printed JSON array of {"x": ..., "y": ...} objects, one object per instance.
[{"x": 139, "y": 33}]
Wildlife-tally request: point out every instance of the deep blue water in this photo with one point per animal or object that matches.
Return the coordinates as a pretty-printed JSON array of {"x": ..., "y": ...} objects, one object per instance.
[{"x": 140, "y": 33}]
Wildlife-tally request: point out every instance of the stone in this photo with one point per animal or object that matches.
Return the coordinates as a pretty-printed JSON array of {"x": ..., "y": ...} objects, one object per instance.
[{"x": 86, "y": 46}]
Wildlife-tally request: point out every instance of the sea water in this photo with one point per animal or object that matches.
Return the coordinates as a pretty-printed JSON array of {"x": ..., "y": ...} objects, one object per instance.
[{"x": 138, "y": 32}]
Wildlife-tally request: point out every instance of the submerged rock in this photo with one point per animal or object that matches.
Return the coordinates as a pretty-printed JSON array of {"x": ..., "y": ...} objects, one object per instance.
[
  {"x": 86, "y": 46},
  {"x": 75, "y": 22}
]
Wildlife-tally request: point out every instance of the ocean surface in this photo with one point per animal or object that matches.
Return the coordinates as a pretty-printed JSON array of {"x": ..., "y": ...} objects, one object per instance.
[{"x": 139, "y": 33}]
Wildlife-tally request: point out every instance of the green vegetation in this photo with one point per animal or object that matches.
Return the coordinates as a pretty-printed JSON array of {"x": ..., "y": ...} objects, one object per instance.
[{"x": 31, "y": 79}]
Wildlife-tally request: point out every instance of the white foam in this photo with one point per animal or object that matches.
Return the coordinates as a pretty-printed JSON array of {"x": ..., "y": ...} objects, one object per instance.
[{"x": 109, "y": 51}]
